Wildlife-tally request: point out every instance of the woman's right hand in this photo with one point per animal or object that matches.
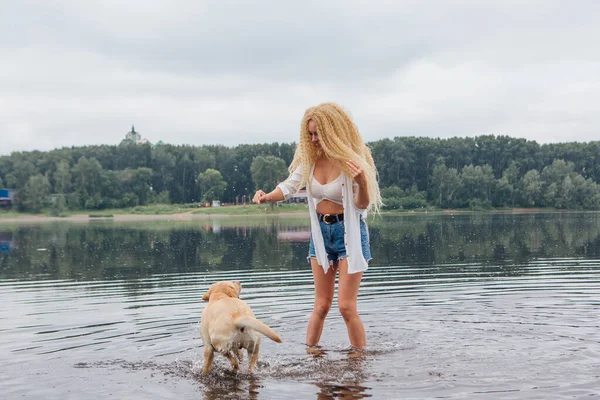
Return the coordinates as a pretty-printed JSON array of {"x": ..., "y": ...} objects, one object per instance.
[{"x": 259, "y": 197}]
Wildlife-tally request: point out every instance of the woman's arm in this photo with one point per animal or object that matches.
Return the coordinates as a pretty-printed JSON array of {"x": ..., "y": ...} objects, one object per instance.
[
  {"x": 361, "y": 197},
  {"x": 283, "y": 191},
  {"x": 274, "y": 196},
  {"x": 361, "y": 193}
]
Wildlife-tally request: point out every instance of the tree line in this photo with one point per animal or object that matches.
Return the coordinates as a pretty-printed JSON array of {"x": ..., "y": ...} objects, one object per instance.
[{"x": 414, "y": 172}]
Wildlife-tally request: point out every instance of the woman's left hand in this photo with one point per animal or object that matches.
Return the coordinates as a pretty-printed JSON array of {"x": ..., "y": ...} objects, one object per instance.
[{"x": 356, "y": 173}]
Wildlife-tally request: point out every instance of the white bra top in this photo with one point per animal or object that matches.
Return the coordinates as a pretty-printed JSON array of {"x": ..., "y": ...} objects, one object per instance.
[{"x": 331, "y": 191}]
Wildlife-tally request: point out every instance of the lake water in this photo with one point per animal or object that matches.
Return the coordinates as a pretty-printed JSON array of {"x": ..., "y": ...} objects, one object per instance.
[{"x": 455, "y": 306}]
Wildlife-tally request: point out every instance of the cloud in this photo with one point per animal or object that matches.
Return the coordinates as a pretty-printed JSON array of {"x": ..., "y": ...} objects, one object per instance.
[{"x": 229, "y": 72}]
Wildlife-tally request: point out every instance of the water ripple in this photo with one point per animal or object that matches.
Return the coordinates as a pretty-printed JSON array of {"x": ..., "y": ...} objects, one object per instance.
[{"x": 460, "y": 322}]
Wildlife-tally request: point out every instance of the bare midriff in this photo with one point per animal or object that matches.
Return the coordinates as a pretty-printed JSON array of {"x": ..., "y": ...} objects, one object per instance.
[{"x": 329, "y": 207}]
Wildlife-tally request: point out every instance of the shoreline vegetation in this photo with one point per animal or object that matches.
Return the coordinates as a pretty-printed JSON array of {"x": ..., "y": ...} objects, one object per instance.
[
  {"x": 480, "y": 173},
  {"x": 181, "y": 213}
]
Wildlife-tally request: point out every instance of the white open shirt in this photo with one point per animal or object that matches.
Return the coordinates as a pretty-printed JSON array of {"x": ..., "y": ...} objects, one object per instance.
[{"x": 352, "y": 216}]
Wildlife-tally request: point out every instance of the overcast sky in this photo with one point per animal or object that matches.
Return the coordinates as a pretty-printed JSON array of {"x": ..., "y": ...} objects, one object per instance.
[{"x": 81, "y": 72}]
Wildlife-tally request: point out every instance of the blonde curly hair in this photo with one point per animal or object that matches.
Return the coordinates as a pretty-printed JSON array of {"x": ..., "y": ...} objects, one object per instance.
[{"x": 340, "y": 141}]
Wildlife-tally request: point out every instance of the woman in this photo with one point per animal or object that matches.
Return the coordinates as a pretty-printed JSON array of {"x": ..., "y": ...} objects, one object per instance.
[{"x": 337, "y": 168}]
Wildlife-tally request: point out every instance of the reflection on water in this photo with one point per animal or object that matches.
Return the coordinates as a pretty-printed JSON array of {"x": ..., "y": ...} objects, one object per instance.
[
  {"x": 7, "y": 243},
  {"x": 348, "y": 384},
  {"x": 465, "y": 306},
  {"x": 338, "y": 391},
  {"x": 113, "y": 251}
]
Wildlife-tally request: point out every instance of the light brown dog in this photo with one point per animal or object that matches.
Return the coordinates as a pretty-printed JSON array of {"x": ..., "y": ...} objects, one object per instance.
[{"x": 228, "y": 326}]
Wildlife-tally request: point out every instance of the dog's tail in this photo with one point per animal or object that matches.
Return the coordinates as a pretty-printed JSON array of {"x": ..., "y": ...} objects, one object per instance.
[{"x": 253, "y": 323}]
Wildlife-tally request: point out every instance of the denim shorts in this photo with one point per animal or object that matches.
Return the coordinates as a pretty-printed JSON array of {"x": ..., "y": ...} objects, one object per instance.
[{"x": 333, "y": 236}]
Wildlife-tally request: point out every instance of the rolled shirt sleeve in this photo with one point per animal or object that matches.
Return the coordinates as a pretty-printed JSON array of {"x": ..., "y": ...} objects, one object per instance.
[{"x": 292, "y": 184}]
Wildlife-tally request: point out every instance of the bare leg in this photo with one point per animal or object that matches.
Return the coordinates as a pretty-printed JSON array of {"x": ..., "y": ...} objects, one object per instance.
[
  {"x": 324, "y": 288},
  {"x": 208, "y": 359},
  {"x": 348, "y": 285}
]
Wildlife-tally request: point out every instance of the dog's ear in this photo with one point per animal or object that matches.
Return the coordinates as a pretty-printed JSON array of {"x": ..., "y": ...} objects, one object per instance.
[
  {"x": 206, "y": 296},
  {"x": 238, "y": 287}
]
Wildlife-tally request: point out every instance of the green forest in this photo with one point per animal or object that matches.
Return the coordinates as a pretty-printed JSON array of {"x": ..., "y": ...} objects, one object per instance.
[{"x": 477, "y": 173}]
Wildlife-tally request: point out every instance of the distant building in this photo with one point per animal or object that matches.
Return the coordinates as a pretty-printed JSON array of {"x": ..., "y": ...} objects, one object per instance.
[
  {"x": 134, "y": 137},
  {"x": 7, "y": 197},
  {"x": 299, "y": 197}
]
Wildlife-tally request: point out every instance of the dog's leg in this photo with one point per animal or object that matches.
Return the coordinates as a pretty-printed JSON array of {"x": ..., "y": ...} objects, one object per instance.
[
  {"x": 233, "y": 360},
  {"x": 253, "y": 356},
  {"x": 209, "y": 353}
]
